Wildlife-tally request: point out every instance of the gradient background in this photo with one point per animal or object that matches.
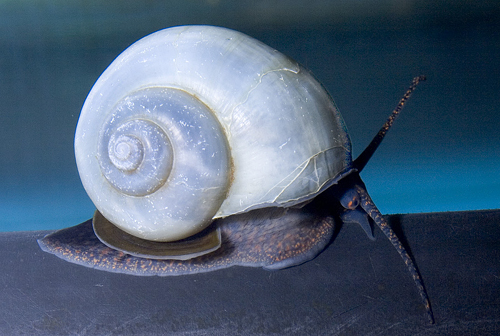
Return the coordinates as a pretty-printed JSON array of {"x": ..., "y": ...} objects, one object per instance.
[{"x": 442, "y": 155}]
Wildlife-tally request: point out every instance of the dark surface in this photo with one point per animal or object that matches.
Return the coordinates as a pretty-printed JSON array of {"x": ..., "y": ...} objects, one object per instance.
[{"x": 355, "y": 287}]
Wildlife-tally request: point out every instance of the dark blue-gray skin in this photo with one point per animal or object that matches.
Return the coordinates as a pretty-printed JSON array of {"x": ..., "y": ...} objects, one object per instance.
[{"x": 272, "y": 238}]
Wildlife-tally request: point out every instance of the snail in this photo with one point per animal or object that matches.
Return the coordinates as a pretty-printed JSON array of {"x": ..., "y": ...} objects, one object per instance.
[{"x": 203, "y": 148}]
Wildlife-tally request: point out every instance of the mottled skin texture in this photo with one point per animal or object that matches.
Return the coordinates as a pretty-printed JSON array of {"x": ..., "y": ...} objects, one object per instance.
[{"x": 270, "y": 238}]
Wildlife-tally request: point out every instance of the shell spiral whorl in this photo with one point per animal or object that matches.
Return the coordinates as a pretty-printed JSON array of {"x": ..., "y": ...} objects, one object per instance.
[
  {"x": 138, "y": 157},
  {"x": 163, "y": 150}
]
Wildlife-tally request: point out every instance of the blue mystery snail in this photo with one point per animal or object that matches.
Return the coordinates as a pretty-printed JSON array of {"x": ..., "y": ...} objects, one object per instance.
[{"x": 203, "y": 148}]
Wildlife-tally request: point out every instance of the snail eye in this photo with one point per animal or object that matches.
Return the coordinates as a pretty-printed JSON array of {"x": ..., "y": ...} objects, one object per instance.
[{"x": 350, "y": 199}]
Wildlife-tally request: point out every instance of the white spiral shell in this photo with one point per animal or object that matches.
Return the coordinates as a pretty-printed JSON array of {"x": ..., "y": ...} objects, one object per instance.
[{"x": 193, "y": 123}]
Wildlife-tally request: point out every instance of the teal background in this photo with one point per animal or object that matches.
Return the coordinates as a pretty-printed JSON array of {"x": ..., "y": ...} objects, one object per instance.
[{"x": 443, "y": 154}]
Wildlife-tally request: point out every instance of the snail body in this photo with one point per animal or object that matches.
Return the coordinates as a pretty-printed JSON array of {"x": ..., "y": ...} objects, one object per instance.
[{"x": 203, "y": 148}]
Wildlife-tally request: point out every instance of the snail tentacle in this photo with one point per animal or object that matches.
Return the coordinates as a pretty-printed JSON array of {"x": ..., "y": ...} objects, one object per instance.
[
  {"x": 365, "y": 156},
  {"x": 372, "y": 210}
]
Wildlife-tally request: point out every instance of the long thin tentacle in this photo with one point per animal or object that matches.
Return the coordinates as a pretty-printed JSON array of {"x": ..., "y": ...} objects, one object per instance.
[
  {"x": 363, "y": 158},
  {"x": 372, "y": 210}
]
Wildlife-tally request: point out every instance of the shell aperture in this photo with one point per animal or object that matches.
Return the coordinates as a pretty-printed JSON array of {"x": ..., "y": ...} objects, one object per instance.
[{"x": 203, "y": 242}]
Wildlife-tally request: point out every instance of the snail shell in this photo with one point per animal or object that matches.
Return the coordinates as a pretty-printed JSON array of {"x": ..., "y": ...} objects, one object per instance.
[{"x": 194, "y": 123}]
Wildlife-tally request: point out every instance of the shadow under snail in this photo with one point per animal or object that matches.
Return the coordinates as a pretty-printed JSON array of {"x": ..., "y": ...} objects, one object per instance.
[{"x": 203, "y": 148}]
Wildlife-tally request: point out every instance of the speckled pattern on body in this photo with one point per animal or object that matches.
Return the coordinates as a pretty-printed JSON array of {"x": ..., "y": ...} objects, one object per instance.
[{"x": 273, "y": 239}]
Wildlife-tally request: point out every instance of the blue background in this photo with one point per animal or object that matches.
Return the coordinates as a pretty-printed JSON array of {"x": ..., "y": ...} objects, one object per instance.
[{"x": 443, "y": 154}]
